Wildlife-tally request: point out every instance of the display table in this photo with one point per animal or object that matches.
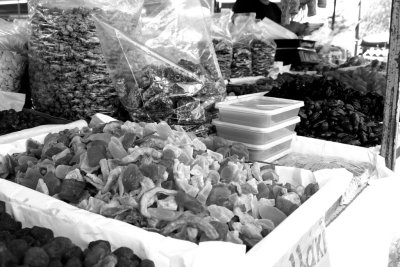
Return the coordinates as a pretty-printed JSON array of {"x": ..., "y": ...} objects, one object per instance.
[{"x": 341, "y": 242}]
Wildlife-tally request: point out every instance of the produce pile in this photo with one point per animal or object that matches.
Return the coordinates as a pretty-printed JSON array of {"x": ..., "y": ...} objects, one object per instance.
[
  {"x": 363, "y": 79},
  {"x": 160, "y": 179},
  {"x": 332, "y": 111},
  {"x": 68, "y": 72},
  {"x": 37, "y": 247},
  {"x": 261, "y": 85},
  {"x": 12, "y": 121}
]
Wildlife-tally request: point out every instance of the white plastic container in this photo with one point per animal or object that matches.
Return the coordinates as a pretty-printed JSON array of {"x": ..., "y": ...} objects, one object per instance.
[
  {"x": 257, "y": 110},
  {"x": 271, "y": 151},
  {"x": 253, "y": 135}
]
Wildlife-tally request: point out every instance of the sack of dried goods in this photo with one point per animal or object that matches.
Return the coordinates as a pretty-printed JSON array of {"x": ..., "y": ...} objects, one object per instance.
[
  {"x": 263, "y": 50},
  {"x": 13, "y": 54},
  {"x": 68, "y": 73},
  {"x": 242, "y": 36},
  {"x": 169, "y": 70},
  {"x": 222, "y": 41}
]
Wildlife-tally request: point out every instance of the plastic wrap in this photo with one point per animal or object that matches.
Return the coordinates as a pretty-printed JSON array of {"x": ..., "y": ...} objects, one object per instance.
[
  {"x": 263, "y": 50},
  {"x": 273, "y": 30},
  {"x": 13, "y": 54},
  {"x": 169, "y": 69},
  {"x": 242, "y": 36},
  {"x": 68, "y": 73},
  {"x": 222, "y": 40}
]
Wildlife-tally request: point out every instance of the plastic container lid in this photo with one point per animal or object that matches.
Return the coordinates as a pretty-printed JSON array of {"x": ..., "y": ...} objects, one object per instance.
[
  {"x": 257, "y": 129},
  {"x": 260, "y": 104}
]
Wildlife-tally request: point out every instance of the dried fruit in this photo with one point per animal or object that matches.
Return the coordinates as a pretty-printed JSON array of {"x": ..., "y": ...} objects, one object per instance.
[
  {"x": 131, "y": 177},
  {"x": 52, "y": 183},
  {"x": 71, "y": 190},
  {"x": 18, "y": 247},
  {"x": 57, "y": 247},
  {"x": 220, "y": 213},
  {"x": 272, "y": 213},
  {"x": 189, "y": 202},
  {"x": 95, "y": 152},
  {"x": 218, "y": 195},
  {"x": 36, "y": 257}
]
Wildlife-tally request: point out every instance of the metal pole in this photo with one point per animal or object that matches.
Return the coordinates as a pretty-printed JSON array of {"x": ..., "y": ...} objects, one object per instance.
[
  {"x": 392, "y": 103},
  {"x": 333, "y": 15},
  {"x": 358, "y": 29}
]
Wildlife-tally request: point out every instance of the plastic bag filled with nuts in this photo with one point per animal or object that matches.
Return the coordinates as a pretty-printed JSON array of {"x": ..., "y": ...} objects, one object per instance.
[
  {"x": 263, "y": 50},
  {"x": 222, "y": 40},
  {"x": 168, "y": 70},
  {"x": 69, "y": 77},
  {"x": 13, "y": 54},
  {"x": 242, "y": 36}
]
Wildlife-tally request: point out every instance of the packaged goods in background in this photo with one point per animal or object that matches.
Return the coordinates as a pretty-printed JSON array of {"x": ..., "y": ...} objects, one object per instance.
[
  {"x": 68, "y": 73},
  {"x": 13, "y": 54},
  {"x": 242, "y": 36},
  {"x": 170, "y": 71},
  {"x": 263, "y": 49},
  {"x": 222, "y": 40}
]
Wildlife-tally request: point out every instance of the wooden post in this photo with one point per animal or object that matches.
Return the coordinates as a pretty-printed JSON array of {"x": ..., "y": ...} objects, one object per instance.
[{"x": 391, "y": 111}]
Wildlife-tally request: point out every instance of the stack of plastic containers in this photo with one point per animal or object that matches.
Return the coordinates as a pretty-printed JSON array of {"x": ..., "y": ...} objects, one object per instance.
[{"x": 264, "y": 124}]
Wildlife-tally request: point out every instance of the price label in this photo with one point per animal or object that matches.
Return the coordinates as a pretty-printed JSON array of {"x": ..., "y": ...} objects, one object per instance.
[{"x": 310, "y": 251}]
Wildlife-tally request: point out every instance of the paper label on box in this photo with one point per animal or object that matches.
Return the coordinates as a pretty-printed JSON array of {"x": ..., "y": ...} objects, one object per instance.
[{"x": 310, "y": 251}]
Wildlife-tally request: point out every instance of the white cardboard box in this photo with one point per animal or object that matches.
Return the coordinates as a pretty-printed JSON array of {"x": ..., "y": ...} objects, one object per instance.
[{"x": 302, "y": 228}]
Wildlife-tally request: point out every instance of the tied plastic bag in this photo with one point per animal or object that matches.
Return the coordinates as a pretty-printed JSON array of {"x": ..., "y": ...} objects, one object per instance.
[
  {"x": 222, "y": 40},
  {"x": 68, "y": 73},
  {"x": 273, "y": 30},
  {"x": 13, "y": 54},
  {"x": 242, "y": 36},
  {"x": 169, "y": 70},
  {"x": 263, "y": 50}
]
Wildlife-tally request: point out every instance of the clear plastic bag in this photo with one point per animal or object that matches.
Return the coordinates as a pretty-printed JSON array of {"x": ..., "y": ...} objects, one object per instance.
[
  {"x": 222, "y": 40},
  {"x": 263, "y": 50},
  {"x": 68, "y": 74},
  {"x": 273, "y": 30},
  {"x": 242, "y": 36},
  {"x": 169, "y": 69},
  {"x": 13, "y": 54}
]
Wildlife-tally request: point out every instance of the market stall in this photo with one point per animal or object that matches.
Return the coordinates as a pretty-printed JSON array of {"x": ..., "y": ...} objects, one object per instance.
[{"x": 181, "y": 137}]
